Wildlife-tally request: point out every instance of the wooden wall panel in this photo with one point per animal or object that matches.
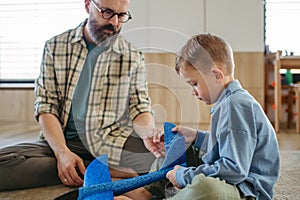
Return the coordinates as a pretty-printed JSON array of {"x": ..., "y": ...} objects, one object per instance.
[
  {"x": 161, "y": 75},
  {"x": 177, "y": 105},
  {"x": 17, "y": 105},
  {"x": 172, "y": 99},
  {"x": 249, "y": 70}
]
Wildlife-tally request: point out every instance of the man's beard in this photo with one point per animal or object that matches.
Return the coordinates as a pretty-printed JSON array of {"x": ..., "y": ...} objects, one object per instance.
[{"x": 99, "y": 36}]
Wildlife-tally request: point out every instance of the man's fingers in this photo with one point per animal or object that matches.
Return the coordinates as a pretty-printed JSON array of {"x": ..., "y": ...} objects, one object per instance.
[
  {"x": 67, "y": 180},
  {"x": 64, "y": 180},
  {"x": 81, "y": 169},
  {"x": 157, "y": 154},
  {"x": 75, "y": 178},
  {"x": 157, "y": 136},
  {"x": 155, "y": 151}
]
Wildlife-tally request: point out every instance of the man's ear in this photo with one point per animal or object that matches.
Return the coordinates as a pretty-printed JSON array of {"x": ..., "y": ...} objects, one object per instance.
[
  {"x": 87, "y": 6},
  {"x": 217, "y": 73}
]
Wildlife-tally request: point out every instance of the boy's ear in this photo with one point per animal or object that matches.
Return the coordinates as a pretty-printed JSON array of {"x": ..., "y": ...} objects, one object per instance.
[{"x": 217, "y": 73}]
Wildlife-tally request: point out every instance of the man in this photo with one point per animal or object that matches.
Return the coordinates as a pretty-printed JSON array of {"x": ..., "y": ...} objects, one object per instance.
[{"x": 92, "y": 99}]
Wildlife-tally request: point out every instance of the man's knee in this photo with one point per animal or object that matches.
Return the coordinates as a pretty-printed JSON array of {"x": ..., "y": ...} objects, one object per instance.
[
  {"x": 10, "y": 160},
  {"x": 25, "y": 166}
]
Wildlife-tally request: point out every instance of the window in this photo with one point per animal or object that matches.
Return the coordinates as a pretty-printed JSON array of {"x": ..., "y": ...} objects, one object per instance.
[
  {"x": 25, "y": 26},
  {"x": 282, "y": 29}
]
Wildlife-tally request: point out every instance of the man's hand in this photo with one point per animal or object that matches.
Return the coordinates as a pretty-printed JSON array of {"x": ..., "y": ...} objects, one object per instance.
[
  {"x": 69, "y": 165},
  {"x": 155, "y": 144},
  {"x": 189, "y": 133},
  {"x": 70, "y": 168},
  {"x": 171, "y": 175},
  {"x": 144, "y": 126}
]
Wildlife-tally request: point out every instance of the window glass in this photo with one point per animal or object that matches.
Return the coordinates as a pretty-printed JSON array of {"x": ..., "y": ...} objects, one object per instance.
[
  {"x": 282, "y": 26},
  {"x": 25, "y": 26}
]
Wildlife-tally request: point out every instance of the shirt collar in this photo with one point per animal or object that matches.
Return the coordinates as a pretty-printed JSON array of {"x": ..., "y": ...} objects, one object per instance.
[
  {"x": 230, "y": 89},
  {"x": 78, "y": 37},
  {"x": 119, "y": 46}
]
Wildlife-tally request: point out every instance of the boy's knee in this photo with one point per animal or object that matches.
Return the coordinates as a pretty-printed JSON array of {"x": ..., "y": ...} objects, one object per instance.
[
  {"x": 207, "y": 186},
  {"x": 205, "y": 183}
]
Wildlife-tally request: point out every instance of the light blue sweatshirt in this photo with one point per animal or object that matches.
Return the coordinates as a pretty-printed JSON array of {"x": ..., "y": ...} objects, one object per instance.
[{"x": 241, "y": 146}]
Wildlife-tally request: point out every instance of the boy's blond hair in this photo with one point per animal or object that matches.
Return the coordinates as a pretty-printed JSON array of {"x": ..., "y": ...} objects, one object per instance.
[{"x": 205, "y": 50}]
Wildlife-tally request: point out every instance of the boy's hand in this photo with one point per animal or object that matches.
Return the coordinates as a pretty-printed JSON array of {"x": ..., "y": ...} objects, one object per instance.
[
  {"x": 171, "y": 175},
  {"x": 189, "y": 133}
]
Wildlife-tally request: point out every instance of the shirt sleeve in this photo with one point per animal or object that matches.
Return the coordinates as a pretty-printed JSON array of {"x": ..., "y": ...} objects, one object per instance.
[
  {"x": 46, "y": 91},
  {"x": 200, "y": 138},
  {"x": 139, "y": 97},
  {"x": 229, "y": 159}
]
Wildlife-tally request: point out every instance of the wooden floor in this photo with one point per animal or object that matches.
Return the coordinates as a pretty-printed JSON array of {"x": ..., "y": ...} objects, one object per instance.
[
  {"x": 288, "y": 140},
  {"x": 11, "y": 133}
]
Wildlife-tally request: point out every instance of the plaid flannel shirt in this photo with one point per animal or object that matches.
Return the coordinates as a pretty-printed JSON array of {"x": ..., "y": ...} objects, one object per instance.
[{"x": 118, "y": 90}]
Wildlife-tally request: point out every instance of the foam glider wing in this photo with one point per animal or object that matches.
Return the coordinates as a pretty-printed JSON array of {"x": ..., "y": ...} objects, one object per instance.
[{"x": 98, "y": 184}]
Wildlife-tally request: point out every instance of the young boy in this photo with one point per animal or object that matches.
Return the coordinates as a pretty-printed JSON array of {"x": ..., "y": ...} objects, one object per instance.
[
  {"x": 240, "y": 151},
  {"x": 241, "y": 159}
]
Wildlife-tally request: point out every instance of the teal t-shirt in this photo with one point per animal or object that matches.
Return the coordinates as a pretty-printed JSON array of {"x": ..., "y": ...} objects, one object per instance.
[{"x": 76, "y": 121}]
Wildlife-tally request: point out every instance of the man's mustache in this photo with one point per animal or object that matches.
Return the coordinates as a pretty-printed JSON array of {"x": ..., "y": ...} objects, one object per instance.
[{"x": 109, "y": 27}]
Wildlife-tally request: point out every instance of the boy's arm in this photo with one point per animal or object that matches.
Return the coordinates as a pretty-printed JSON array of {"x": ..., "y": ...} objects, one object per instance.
[
  {"x": 199, "y": 138},
  {"x": 236, "y": 148},
  {"x": 196, "y": 138}
]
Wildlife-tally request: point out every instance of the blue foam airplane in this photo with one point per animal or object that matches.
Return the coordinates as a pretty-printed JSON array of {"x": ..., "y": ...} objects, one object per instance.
[{"x": 99, "y": 186}]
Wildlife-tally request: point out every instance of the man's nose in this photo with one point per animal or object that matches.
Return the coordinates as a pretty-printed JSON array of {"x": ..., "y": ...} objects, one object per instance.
[{"x": 114, "y": 20}]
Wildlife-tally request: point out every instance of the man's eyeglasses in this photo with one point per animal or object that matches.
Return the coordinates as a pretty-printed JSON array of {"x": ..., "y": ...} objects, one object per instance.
[{"x": 108, "y": 14}]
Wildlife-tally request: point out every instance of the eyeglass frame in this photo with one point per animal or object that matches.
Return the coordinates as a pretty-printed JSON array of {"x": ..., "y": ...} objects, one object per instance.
[{"x": 102, "y": 11}]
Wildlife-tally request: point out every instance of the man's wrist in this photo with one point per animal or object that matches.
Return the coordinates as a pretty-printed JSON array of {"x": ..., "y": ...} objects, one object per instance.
[{"x": 195, "y": 139}]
